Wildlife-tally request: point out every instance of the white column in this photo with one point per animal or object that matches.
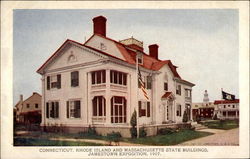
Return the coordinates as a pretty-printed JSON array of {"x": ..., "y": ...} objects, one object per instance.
[
  {"x": 89, "y": 120},
  {"x": 43, "y": 103},
  {"x": 128, "y": 103},
  {"x": 108, "y": 97}
]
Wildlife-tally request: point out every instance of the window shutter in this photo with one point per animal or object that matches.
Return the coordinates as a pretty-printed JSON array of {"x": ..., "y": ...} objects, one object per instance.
[
  {"x": 48, "y": 82},
  {"x": 59, "y": 81},
  {"x": 57, "y": 110},
  {"x": 52, "y": 112},
  {"x": 67, "y": 109},
  {"x": 180, "y": 110},
  {"x": 47, "y": 110},
  {"x": 78, "y": 109},
  {"x": 148, "y": 109},
  {"x": 139, "y": 103}
]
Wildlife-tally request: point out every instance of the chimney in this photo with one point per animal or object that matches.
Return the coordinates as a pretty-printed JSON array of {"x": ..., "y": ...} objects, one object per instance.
[
  {"x": 99, "y": 25},
  {"x": 21, "y": 97},
  {"x": 153, "y": 51}
]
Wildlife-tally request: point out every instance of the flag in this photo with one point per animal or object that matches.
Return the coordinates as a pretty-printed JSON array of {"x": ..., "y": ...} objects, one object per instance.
[
  {"x": 227, "y": 96},
  {"x": 142, "y": 84}
]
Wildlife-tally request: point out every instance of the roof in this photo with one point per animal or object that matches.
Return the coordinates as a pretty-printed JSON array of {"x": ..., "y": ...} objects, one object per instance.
[
  {"x": 226, "y": 101},
  {"x": 128, "y": 53},
  {"x": 148, "y": 62},
  {"x": 166, "y": 95}
]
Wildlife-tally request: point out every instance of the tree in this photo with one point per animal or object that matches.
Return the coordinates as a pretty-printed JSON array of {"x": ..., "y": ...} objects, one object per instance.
[
  {"x": 185, "y": 117},
  {"x": 133, "y": 122}
]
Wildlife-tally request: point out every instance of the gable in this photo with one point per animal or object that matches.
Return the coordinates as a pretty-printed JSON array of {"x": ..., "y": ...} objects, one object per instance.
[
  {"x": 72, "y": 55},
  {"x": 105, "y": 45}
]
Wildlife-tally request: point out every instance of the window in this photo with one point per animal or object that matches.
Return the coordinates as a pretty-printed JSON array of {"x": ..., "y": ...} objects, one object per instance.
[
  {"x": 74, "y": 79},
  {"x": 36, "y": 105},
  {"x": 140, "y": 58},
  {"x": 178, "y": 111},
  {"x": 233, "y": 106},
  {"x": 74, "y": 109},
  {"x": 178, "y": 89},
  {"x": 27, "y": 105},
  {"x": 188, "y": 93},
  {"x": 98, "y": 77},
  {"x": 118, "y": 77},
  {"x": 149, "y": 82},
  {"x": 54, "y": 81},
  {"x": 118, "y": 110},
  {"x": 165, "y": 86},
  {"x": 224, "y": 106},
  {"x": 52, "y": 109},
  {"x": 99, "y": 106},
  {"x": 144, "y": 108},
  {"x": 228, "y": 105}
]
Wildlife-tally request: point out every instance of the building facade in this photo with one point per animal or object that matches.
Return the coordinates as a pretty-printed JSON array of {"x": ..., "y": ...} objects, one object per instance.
[
  {"x": 204, "y": 109},
  {"x": 95, "y": 84},
  {"x": 29, "y": 110},
  {"x": 227, "y": 109}
]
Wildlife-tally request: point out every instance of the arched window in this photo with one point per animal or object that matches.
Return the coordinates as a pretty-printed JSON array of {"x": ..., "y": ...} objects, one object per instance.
[
  {"x": 99, "y": 106},
  {"x": 118, "y": 109}
]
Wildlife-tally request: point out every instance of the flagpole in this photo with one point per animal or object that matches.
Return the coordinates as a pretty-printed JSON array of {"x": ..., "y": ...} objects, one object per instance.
[{"x": 137, "y": 114}]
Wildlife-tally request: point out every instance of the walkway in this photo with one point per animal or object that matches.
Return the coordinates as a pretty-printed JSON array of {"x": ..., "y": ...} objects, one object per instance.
[
  {"x": 220, "y": 138},
  {"x": 97, "y": 141}
]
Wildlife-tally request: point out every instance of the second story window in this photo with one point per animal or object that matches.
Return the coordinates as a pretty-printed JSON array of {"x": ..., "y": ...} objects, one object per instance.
[
  {"x": 117, "y": 77},
  {"x": 178, "y": 89},
  {"x": 149, "y": 82},
  {"x": 98, "y": 77},
  {"x": 74, "y": 79},
  {"x": 188, "y": 93},
  {"x": 28, "y": 105},
  {"x": 36, "y": 105},
  {"x": 54, "y": 82},
  {"x": 165, "y": 86}
]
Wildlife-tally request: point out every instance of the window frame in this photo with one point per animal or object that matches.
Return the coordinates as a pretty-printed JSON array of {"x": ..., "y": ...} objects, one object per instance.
[
  {"x": 52, "y": 110},
  {"x": 71, "y": 109},
  {"x": 115, "y": 77},
  {"x": 146, "y": 111},
  {"x": 74, "y": 78},
  {"x": 96, "y": 106},
  {"x": 94, "y": 77}
]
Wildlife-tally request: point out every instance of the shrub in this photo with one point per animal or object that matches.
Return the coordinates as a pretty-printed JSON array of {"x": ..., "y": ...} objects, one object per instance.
[
  {"x": 142, "y": 132},
  {"x": 91, "y": 131},
  {"x": 133, "y": 122},
  {"x": 198, "y": 119},
  {"x": 114, "y": 137},
  {"x": 185, "y": 117},
  {"x": 215, "y": 117},
  {"x": 165, "y": 131}
]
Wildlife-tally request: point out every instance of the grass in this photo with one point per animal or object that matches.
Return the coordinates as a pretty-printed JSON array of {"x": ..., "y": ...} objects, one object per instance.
[
  {"x": 22, "y": 141},
  {"x": 221, "y": 124},
  {"x": 171, "y": 139}
]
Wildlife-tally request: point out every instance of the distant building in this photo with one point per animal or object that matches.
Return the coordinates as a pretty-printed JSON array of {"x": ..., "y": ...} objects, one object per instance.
[
  {"x": 204, "y": 109},
  {"x": 29, "y": 110},
  {"x": 227, "y": 109}
]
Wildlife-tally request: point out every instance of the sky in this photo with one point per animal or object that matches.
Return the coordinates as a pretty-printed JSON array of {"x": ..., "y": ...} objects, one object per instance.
[{"x": 203, "y": 43}]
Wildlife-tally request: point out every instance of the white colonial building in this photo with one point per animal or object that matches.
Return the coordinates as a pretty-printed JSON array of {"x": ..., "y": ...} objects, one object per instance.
[
  {"x": 227, "y": 109},
  {"x": 95, "y": 84}
]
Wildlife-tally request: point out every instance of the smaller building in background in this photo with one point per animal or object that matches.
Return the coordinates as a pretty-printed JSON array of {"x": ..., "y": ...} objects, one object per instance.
[
  {"x": 29, "y": 110},
  {"x": 204, "y": 109},
  {"x": 227, "y": 109}
]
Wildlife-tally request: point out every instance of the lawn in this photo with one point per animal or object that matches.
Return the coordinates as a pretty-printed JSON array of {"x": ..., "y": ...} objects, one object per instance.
[
  {"x": 22, "y": 141},
  {"x": 221, "y": 124},
  {"x": 170, "y": 139}
]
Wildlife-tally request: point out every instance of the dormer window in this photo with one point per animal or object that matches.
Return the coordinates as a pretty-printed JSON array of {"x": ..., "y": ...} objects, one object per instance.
[{"x": 140, "y": 58}]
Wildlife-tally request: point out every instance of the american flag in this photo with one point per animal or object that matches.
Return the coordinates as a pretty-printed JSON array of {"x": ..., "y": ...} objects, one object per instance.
[{"x": 142, "y": 84}]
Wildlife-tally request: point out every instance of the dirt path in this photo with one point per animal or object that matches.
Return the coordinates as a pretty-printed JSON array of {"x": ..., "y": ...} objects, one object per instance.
[
  {"x": 220, "y": 138},
  {"x": 96, "y": 141}
]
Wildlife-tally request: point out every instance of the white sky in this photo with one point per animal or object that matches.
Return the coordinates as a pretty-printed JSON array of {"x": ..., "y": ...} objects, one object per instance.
[{"x": 202, "y": 43}]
